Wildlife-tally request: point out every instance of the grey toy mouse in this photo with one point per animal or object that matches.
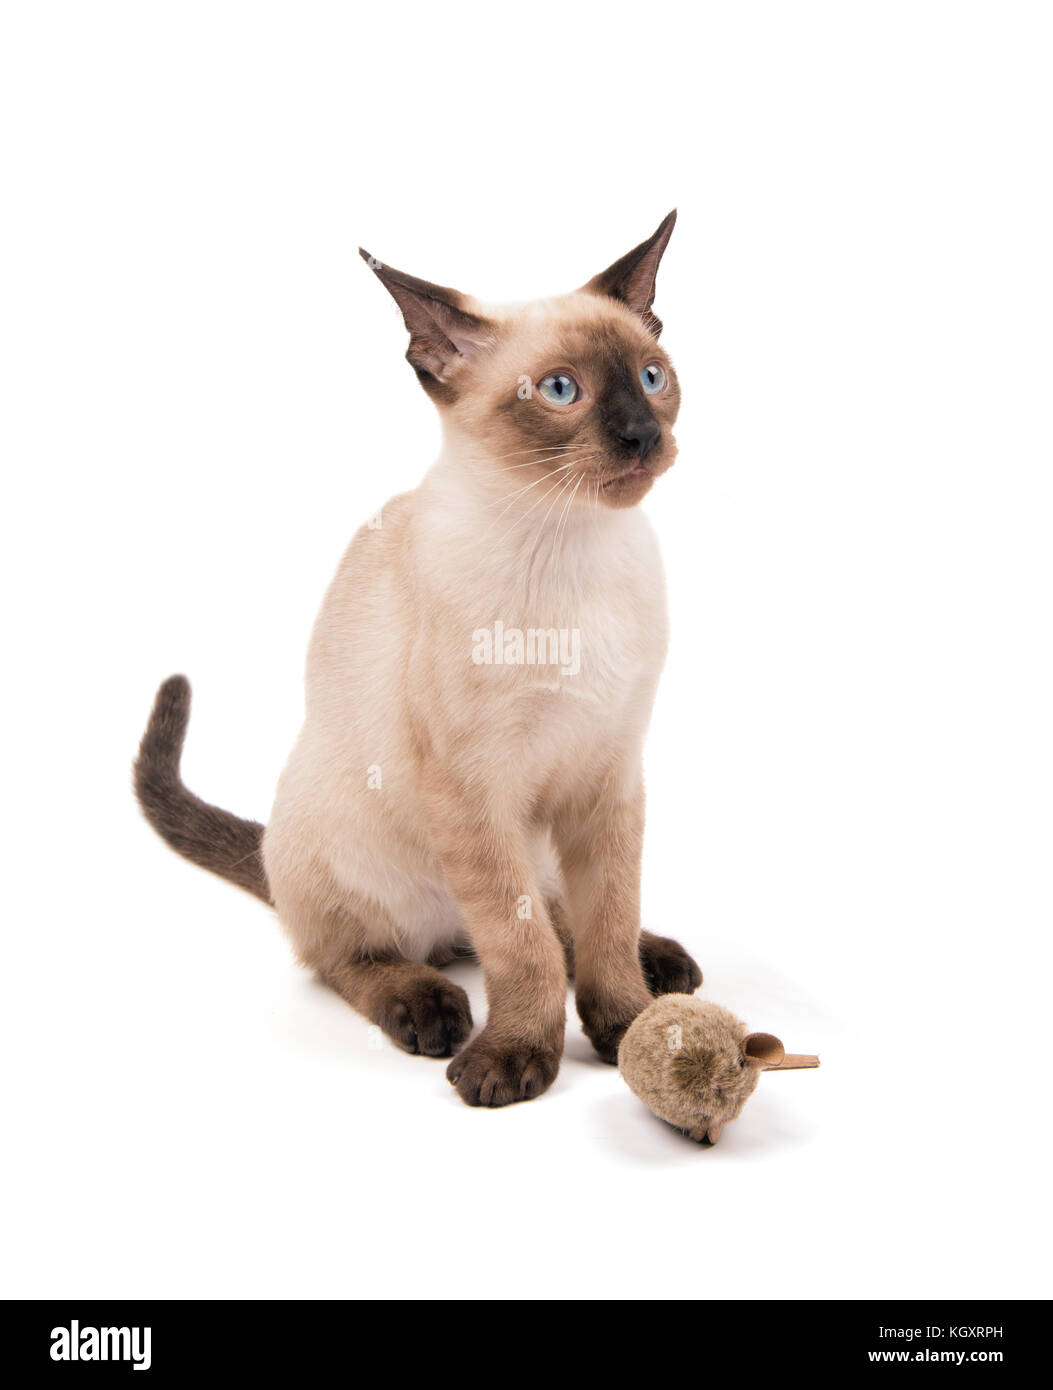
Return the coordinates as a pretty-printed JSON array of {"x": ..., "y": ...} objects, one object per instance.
[{"x": 694, "y": 1064}]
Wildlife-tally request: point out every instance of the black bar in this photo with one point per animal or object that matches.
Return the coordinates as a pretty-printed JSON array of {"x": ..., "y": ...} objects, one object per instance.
[{"x": 353, "y": 1341}]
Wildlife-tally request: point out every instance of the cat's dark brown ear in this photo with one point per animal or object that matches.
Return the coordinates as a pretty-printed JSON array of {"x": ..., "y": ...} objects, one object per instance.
[
  {"x": 443, "y": 333},
  {"x": 631, "y": 279}
]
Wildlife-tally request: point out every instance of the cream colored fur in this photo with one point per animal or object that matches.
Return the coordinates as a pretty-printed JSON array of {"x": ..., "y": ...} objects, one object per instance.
[
  {"x": 391, "y": 651},
  {"x": 432, "y": 800}
]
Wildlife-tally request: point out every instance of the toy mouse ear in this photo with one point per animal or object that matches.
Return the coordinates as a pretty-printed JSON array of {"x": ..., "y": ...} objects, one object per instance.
[{"x": 762, "y": 1049}]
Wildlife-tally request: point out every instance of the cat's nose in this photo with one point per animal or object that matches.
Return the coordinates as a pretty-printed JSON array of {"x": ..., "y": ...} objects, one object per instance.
[{"x": 640, "y": 435}]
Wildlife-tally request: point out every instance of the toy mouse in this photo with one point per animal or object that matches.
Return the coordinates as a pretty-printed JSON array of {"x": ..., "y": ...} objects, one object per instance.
[{"x": 695, "y": 1065}]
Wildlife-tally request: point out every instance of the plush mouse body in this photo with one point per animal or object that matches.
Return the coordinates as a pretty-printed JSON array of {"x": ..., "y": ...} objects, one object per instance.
[{"x": 694, "y": 1064}]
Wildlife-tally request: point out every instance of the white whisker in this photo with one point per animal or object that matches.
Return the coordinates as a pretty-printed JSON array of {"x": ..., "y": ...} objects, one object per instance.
[
  {"x": 530, "y": 463},
  {"x": 544, "y": 520},
  {"x": 519, "y": 491},
  {"x": 534, "y": 449},
  {"x": 538, "y": 502},
  {"x": 561, "y": 525}
]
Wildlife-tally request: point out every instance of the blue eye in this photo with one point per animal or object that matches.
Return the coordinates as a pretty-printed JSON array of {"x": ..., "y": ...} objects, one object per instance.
[
  {"x": 558, "y": 388},
  {"x": 652, "y": 378}
]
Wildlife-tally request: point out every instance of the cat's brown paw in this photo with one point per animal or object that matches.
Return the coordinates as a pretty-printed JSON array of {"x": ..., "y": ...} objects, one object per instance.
[
  {"x": 429, "y": 1016},
  {"x": 604, "y": 1021},
  {"x": 492, "y": 1074},
  {"x": 667, "y": 967}
]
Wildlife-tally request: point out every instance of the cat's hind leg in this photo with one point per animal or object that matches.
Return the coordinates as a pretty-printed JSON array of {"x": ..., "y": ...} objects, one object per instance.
[
  {"x": 352, "y": 946},
  {"x": 415, "y": 1005}
]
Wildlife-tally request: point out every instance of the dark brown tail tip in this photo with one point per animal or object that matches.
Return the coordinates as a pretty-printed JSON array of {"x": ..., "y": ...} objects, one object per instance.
[
  {"x": 175, "y": 687},
  {"x": 173, "y": 694},
  {"x": 166, "y": 729}
]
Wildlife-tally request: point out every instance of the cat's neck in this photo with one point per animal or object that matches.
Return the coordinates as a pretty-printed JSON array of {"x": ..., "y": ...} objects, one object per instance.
[{"x": 556, "y": 527}]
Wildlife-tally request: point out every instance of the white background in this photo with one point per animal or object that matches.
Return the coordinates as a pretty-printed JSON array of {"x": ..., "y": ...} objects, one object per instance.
[{"x": 850, "y": 764}]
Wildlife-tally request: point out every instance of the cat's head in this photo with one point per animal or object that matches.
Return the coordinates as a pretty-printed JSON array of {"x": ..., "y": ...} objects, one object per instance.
[{"x": 575, "y": 387}]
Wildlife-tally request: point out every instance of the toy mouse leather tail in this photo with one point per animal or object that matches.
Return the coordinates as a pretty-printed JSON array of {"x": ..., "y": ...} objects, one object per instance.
[
  {"x": 793, "y": 1061},
  {"x": 208, "y": 836}
]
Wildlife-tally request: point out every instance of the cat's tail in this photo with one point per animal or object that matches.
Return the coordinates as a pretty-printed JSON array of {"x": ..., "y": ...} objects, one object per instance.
[{"x": 210, "y": 837}]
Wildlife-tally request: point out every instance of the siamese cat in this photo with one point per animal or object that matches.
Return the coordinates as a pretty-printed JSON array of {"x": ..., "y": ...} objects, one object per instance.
[{"x": 479, "y": 682}]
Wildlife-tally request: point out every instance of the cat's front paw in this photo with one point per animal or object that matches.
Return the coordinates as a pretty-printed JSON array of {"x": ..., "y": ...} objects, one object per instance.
[
  {"x": 490, "y": 1073},
  {"x": 605, "y": 1018},
  {"x": 667, "y": 967}
]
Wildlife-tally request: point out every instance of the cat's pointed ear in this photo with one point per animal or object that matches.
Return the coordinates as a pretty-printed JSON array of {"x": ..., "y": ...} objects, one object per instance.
[
  {"x": 443, "y": 331},
  {"x": 631, "y": 279}
]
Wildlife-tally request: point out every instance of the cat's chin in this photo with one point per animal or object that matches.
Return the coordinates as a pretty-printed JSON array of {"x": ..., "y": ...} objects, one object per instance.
[{"x": 629, "y": 487}]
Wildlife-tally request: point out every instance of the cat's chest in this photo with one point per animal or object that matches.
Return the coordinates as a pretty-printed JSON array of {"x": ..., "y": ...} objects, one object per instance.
[
  {"x": 581, "y": 656},
  {"x": 563, "y": 646}
]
